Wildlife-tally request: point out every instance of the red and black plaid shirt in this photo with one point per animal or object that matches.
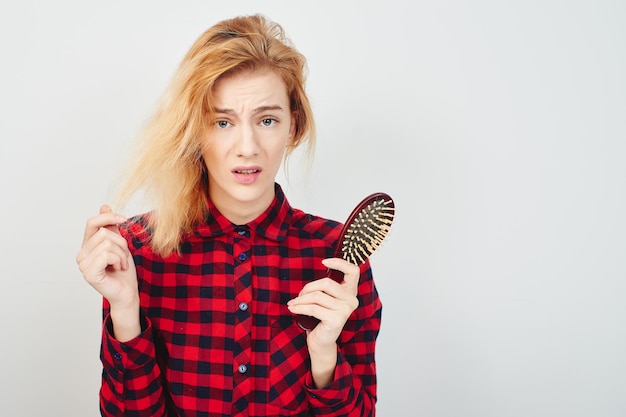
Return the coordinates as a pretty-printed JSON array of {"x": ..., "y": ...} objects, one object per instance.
[{"x": 217, "y": 338}]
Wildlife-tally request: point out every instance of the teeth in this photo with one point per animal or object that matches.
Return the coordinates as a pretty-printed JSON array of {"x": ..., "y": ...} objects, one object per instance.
[{"x": 247, "y": 171}]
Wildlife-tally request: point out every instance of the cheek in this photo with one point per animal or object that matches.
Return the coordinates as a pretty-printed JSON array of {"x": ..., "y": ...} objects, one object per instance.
[
  {"x": 211, "y": 151},
  {"x": 280, "y": 149},
  {"x": 212, "y": 161},
  {"x": 206, "y": 157}
]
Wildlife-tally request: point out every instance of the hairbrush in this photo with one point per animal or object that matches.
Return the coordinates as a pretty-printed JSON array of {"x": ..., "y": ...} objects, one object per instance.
[{"x": 363, "y": 232}]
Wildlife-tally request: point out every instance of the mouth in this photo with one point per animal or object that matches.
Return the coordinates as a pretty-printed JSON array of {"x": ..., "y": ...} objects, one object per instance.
[
  {"x": 246, "y": 171},
  {"x": 247, "y": 175}
]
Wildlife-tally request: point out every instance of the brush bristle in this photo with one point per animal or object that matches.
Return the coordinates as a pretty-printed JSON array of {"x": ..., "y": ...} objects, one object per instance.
[{"x": 367, "y": 231}]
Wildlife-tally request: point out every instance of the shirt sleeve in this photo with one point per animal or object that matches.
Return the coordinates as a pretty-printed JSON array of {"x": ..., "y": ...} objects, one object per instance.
[
  {"x": 353, "y": 390},
  {"x": 131, "y": 377}
]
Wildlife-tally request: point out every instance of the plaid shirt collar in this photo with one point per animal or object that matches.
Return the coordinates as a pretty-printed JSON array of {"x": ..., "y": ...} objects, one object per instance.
[{"x": 273, "y": 223}]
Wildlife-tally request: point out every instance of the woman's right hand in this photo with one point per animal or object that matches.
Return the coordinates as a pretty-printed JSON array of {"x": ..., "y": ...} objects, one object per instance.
[{"x": 106, "y": 263}]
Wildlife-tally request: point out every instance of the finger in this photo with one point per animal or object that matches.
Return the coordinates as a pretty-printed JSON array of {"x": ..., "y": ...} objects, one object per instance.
[
  {"x": 116, "y": 256},
  {"x": 106, "y": 218},
  {"x": 333, "y": 317},
  {"x": 322, "y": 284},
  {"x": 103, "y": 234},
  {"x": 94, "y": 266},
  {"x": 318, "y": 298},
  {"x": 327, "y": 286},
  {"x": 351, "y": 272},
  {"x": 105, "y": 241},
  {"x": 116, "y": 247},
  {"x": 312, "y": 310},
  {"x": 346, "y": 302},
  {"x": 317, "y": 293}
]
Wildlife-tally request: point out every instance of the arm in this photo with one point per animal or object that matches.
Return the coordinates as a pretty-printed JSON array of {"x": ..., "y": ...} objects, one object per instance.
[
  {"x": 342, "y": 346},
  {"x": 130, "y": 380}
]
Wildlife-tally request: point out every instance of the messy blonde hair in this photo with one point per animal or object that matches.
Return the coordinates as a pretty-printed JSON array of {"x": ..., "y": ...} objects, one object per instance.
[{"x": 169, "y": 167}]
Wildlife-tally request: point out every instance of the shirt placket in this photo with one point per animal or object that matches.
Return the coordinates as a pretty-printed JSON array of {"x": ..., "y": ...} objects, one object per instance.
[{"x": 242, "y": 381}]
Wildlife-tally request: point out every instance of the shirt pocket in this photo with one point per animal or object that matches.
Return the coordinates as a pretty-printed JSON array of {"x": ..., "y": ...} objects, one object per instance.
[{"x": 289, "y": 365}]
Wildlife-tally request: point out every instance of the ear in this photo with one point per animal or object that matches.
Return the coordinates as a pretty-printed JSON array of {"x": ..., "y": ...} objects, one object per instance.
[{"x": 292, "y": 128}]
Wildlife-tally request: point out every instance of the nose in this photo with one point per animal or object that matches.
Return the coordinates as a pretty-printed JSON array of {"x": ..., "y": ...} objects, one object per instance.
[{"x": 247, "y": 143}]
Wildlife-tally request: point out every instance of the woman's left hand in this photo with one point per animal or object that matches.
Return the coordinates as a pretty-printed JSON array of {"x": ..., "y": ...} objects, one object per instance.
[{"x": 330, "y": 301}]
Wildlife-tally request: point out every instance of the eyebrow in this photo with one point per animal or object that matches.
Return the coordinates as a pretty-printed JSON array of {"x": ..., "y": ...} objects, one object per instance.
[{"x": 256, "y": 111}]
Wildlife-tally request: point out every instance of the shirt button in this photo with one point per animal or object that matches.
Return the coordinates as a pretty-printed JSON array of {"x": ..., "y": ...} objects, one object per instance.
[
  {"x": 241, "y": 232},
  {"x": 243, "y": 306},
  {"x": 117, "y": 356},
  {"x": 242, "y": 369},
  {"x": 243, "y": 257}
]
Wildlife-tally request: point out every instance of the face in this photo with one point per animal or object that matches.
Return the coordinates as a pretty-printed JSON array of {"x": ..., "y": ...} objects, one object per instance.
[{"x": 246, "y": 146}]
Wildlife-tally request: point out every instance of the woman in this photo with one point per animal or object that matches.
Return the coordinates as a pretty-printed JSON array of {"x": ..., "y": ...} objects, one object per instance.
[{"x": 201, "y": 294}]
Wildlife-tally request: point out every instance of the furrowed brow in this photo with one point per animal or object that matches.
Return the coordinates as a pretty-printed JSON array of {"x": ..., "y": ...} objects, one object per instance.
[
  {"x": 225, "y": 111},
  {"x": 258, "y": 110},
  {"x": 267, "y": 108}
]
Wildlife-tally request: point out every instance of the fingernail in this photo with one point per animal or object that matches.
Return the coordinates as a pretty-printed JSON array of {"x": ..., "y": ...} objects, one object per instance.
[{"x": 120, "y": 218}]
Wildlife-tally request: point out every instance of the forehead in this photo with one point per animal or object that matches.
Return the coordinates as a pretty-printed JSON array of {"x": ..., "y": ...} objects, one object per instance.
[{"x": 254, "y": 87}]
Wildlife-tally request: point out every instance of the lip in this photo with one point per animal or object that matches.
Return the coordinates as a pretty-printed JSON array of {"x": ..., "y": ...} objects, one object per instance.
[{"x": 246, "y": 174}]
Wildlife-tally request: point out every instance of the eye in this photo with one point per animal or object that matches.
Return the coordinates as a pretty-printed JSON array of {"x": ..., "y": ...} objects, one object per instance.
[
  {"x": 222, "y": 124},
  {"x": 268, "y": 121}
]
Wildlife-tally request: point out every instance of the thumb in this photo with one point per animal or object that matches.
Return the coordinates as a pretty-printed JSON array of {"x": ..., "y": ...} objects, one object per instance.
[
  {"x": 351, "y": 272},
  {"x": 106, "y": 209}
]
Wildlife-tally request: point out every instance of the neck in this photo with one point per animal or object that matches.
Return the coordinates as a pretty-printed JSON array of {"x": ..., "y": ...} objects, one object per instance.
[{"x": 238, "y": 212}]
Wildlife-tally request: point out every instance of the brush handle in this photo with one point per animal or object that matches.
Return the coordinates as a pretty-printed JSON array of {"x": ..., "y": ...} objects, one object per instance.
[{"x": 309, "y": 322}]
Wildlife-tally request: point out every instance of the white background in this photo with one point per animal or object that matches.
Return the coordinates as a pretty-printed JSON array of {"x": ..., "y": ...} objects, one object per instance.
[{"x": 498, "y": 127}]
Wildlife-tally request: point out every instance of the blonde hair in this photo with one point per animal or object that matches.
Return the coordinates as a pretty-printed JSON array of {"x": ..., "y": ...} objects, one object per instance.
[{"x": 168, "y": 166}]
